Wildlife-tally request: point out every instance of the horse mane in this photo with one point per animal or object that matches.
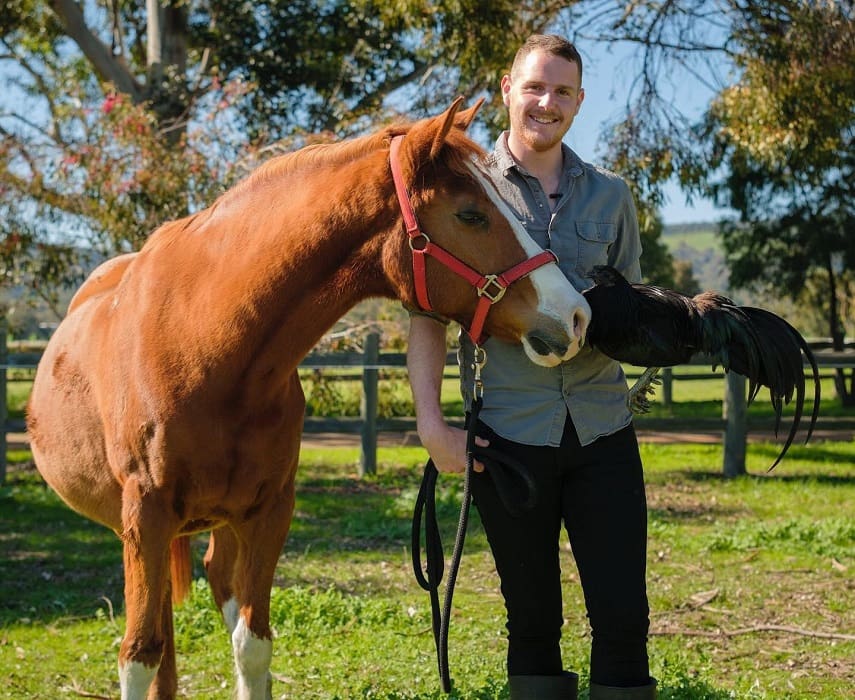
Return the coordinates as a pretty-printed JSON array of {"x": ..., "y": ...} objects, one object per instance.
[
  {"x": 457, "y": 154},
  {"x": 459, "y": 150},
  {"x": 313, "y": 156}
]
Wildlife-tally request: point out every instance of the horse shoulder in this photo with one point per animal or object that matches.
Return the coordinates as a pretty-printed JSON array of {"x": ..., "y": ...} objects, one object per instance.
[{"x": 103, "y": 279}]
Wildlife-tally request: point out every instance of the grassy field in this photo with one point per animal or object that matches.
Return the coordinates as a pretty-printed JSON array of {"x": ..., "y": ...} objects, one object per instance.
[
  {"x": 751, "y": 587},
  {"x": 698, "y": 240}
]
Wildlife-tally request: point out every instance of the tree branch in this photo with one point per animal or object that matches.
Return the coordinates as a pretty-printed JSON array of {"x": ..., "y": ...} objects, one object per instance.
[{"x": 109, "y": 68}]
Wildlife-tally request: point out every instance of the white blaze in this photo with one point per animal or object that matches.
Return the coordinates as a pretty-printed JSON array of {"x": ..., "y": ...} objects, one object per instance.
[{"x": 557, "y": 298}]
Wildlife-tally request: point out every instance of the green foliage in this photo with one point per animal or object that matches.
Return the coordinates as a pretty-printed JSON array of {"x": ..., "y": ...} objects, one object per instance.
[
  {"x": 330, "y": 396},
  {"x": 327, "y": 397},
  {"x": 304, "y": 612},
  {"x": 832, "y": 537},
  {"x": 781, "y": 156}
]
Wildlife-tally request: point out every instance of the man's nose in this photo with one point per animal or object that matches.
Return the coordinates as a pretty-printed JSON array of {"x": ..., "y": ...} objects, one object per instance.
[{"x": 546, "y": 99}]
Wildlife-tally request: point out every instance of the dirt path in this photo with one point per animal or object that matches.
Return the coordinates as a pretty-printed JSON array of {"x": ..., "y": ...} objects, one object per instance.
[{"x": 17, "y": 441}]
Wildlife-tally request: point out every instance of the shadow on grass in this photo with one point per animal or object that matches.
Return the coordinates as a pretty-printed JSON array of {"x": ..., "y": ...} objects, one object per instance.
[
  {"x": 56, "y": 564},
  {"x": 334, "y": 514}
]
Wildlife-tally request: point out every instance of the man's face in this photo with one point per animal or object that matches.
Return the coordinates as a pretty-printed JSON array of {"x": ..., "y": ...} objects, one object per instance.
[{"x": 543, "y": 97}]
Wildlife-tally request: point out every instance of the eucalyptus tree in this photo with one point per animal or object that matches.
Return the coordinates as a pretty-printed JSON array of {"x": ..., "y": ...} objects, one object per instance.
[
  {"x": 119, "y": 114},
  {"x": 781, "y": 152}
]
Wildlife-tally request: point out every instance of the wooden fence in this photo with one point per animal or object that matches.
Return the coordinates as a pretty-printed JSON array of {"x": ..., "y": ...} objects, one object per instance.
[{"x": 369, "y": 362}]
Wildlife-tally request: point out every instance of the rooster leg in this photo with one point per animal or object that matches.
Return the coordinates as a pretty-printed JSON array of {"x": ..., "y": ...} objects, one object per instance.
[{"x": 637, "y": 398}]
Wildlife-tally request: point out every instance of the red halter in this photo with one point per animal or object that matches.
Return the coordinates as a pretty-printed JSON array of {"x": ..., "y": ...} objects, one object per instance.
[{"x": 490, "y": 288}]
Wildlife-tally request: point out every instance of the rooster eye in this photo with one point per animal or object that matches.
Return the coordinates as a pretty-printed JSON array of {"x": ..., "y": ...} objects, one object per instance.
[{"x": 471, "y": 218}]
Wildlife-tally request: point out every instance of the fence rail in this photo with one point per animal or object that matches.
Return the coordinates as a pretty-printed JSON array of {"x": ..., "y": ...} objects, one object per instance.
[{"x": 21, "y": 356}]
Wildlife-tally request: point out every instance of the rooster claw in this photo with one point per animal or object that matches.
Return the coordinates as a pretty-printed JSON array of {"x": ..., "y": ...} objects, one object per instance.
[{"x": 637, "y": 400}]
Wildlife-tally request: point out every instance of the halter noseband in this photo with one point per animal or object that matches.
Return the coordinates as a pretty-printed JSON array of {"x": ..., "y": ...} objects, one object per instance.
[{"x": 490, "y": 288}]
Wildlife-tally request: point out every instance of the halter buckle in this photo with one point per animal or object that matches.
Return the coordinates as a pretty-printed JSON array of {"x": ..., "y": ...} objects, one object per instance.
[{"x": 491, "y": 283}]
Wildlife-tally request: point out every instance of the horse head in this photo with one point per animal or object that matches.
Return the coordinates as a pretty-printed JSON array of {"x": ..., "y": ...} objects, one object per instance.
[{"x": 471, "y": 255}]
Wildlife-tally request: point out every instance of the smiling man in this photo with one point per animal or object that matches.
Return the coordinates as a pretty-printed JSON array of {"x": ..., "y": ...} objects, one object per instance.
[{"x": 568, "y": 424}]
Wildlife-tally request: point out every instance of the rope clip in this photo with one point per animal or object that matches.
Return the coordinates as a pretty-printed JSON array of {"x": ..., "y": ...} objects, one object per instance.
[{"x": 479, "y": 360}]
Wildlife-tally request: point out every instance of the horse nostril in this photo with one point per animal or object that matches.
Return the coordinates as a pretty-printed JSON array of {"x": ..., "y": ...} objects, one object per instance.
[
  {"x": 580, "y": 326},
  {"x": 544, "y": 344}
]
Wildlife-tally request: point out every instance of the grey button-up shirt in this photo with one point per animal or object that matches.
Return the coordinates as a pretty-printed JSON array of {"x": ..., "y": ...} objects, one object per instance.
[{"x": 594, "y": 223}]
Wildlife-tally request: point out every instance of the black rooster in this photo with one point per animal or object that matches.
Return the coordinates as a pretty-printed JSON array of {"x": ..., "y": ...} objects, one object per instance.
[{"x": 652, "y": 327}]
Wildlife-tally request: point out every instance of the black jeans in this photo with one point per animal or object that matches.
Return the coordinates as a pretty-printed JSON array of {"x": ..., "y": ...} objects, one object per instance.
[{"x": 598, "y": 491}]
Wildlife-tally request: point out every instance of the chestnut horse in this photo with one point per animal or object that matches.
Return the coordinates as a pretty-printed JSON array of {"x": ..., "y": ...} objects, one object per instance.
[{"x": 168, "y": 400}]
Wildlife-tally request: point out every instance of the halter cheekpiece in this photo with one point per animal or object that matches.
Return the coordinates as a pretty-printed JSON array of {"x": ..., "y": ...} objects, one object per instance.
[{"x": 490, "y": 288}]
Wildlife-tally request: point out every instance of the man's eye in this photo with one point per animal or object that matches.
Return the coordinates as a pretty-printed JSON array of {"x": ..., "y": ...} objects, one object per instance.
[{"x": 471, "y": 218}]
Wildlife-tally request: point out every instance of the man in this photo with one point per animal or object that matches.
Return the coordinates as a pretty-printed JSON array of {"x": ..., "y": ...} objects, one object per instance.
[{"x": 569, "y": 424}]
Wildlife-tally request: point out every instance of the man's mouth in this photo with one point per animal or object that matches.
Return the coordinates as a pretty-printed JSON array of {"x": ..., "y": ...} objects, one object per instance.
[{"x": 542, "y": 119}]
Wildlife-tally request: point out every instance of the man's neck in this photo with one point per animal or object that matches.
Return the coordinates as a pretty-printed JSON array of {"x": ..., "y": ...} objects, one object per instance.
[{"x": 546, "y": 166}]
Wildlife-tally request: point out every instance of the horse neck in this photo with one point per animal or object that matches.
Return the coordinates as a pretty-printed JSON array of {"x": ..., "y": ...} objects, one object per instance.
[{"x": 311, "y": 252}]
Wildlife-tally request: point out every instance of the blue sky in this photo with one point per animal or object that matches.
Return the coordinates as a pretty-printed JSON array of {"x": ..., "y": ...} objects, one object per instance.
[{"x": 607, "y": 75}]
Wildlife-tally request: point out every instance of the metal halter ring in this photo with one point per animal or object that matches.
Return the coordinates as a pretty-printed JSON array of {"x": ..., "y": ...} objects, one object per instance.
[{"x": 420, "y": 236}]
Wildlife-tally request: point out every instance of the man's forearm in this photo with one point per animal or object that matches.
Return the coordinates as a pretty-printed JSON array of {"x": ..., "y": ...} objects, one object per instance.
[{"x": 426, "y": 365}]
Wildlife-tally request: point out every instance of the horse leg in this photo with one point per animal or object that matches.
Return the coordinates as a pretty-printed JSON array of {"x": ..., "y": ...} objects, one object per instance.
[
  {"x": 146, "y": 535},
  {"x": 260, "y": 542},
  {"x": 220, "y": 565},
  {"x": 165, "y": 683}
]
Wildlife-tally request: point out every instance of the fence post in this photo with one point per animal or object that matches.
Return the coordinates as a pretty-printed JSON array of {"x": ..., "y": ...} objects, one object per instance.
[
  {"x": 735, "y": 424},
  {"x": 4, "y": 396},
  {"x": 368, "y": 405},
  {"x": 667, "y": 386}
]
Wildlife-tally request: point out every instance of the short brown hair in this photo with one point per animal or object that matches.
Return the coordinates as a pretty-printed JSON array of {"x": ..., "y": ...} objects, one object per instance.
[{"x": 549, "y": 43}]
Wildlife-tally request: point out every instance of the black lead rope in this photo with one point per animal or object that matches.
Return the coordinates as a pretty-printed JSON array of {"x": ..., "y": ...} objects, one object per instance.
[{"x": 508, "y": 475}]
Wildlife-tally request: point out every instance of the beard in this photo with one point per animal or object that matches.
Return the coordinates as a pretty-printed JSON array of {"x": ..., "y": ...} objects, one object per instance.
[{"x": 540, "y": 137}]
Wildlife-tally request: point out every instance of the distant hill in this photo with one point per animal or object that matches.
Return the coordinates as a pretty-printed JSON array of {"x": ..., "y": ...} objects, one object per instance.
[{"x": 700, "y": 245}]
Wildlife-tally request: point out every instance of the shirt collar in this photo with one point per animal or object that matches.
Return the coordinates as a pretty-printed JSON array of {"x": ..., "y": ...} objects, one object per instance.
[{"x": 573, "y": 164}]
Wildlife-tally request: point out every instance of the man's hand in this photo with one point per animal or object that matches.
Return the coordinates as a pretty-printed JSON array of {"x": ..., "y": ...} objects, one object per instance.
[{"x": 447, "y": 448}]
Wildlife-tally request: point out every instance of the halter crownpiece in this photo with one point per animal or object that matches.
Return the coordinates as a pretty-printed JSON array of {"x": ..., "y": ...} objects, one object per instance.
[{"x": 490, "y": 288}]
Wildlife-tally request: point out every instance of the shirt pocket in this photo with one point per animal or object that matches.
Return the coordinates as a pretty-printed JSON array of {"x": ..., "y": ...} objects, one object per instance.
[{"x": 595, "y": 239}]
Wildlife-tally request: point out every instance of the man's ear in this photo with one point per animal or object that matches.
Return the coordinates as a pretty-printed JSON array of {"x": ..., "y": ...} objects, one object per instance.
[{"x": 506, "y": 90}]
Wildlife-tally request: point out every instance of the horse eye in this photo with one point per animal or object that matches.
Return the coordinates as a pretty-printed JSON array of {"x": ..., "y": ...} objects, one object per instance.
[{"x": 472, "y": 218}]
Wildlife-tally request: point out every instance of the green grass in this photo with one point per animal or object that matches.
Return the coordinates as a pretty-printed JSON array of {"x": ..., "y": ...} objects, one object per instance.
[{"x": 733, "y": 564}]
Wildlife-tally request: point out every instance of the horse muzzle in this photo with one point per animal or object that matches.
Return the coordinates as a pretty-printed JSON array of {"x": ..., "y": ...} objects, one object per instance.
[{"x": 554, "y": 341}]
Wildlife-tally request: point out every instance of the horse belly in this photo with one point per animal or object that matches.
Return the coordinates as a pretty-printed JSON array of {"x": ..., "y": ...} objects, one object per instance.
[{"x": 66, "y": 433}]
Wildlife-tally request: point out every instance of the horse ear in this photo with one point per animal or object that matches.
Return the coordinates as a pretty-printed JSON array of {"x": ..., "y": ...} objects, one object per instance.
[
  {"x": 445, "y": 121},
  {"x": 465, "y": 117}
]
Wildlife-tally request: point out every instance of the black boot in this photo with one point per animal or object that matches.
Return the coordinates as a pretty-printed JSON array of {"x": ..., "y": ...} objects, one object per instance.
[
  {"x": 641, "y": 692},
  {"x": 563, "y": 687}
]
